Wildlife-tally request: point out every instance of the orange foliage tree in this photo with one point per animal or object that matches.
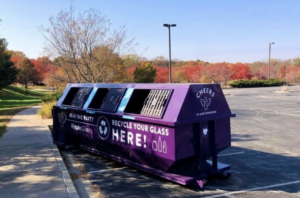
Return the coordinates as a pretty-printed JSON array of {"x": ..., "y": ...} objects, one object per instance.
[
  {"x": 162, "y": 75},
  {"x": 240, "y": 71},
  {"x": 194, "y": 73},
  {"x": 293, "y": 74},
  {"x": 43, "y": 65}
]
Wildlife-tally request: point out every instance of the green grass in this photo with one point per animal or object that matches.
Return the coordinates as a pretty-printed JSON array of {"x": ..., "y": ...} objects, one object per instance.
[
  {"x": 46, "y": 109},
  {"x": 14, "y": 99}
]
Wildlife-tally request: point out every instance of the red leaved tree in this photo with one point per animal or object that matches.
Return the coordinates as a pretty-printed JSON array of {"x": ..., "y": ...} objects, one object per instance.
[
  {"x": 240, "y": 71},
  {"x": 43, "y": 65},
  {"x": 194, "y": 73},
  {"x": 162, "y": 75}
]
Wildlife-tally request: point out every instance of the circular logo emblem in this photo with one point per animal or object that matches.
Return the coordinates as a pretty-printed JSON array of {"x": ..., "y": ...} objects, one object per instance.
[{"x": 103, "y": 128}]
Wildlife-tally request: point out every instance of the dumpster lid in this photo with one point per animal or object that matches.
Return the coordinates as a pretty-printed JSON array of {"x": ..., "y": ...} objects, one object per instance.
[
  {"x": 148, "y": 102},
  {"x": 77, "y": 96},
  {"x": 112, "y": 99},
  {"x": 167, "y": 104}
]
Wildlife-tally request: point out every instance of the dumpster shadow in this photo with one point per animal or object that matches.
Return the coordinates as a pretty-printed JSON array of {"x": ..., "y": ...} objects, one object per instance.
[
  {"x": 250, "y": 169},
  {"x": 260, "y": 171},
  {"x": 241, "y": 138}
]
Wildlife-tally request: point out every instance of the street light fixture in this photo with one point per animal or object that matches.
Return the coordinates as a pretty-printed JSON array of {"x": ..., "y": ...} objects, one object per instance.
[
  {"x": 269, "y": 59},
  {"x": 168, "y": 26}
]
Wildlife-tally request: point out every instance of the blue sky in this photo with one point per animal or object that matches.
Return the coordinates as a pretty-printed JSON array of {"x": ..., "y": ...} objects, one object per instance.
[{"x": 209, "y": 30}]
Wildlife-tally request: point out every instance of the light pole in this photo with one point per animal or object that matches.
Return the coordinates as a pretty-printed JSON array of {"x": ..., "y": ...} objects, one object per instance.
[
  {"x": 269, "y": 59},
  {"x": 169, "y": 27},
  {"x": 286, "y": 82}
]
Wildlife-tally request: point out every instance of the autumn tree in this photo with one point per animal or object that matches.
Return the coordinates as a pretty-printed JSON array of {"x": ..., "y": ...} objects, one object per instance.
[
  {"x": 130, "y": 73},
  {"x": 55, "y": 78},
  {"x": 193, "y": 71},
  {"x": 218, "y": 72},
  {"x": 258, "y": 70},
  {"x": 130, "y": 60},
  {"x": 110, "y": 69},
  {"x": 275, "y": 65},
  {"x": 86, "y": 46},
  {"x": 7, "y": 70},
  {"x": 145, "y": 73},
  {"x": 162, "y": 75},
  {"x": 27, "y": 73},
  {"x": 240, "y": 71},
  {"x": 18, "y": 54},
  {"x": 178, "y": 75},
  {"x": 296, "y": 62},
  {"x": 293, "y": 74},
  {"x": 42, "y": 65},
  {"x": 160, "y": 61},
  {"x": 177, "y": 63}
]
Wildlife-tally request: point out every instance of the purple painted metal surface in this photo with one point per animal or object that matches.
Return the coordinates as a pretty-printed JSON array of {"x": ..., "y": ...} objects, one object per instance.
[{"x": 170, "y": 130}]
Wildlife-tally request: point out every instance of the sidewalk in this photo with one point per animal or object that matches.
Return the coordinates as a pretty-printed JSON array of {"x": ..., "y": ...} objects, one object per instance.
[{"x": 30, "y": 164}]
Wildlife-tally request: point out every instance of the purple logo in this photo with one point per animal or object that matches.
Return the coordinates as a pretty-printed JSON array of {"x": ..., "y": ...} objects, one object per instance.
[
  {"x": 62, "y": 117},
  {"x": 103, "y": 128},
  {"x": 205, "y": 102}
]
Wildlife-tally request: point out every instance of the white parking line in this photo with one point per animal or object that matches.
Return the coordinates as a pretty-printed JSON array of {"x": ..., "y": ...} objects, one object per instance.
[
  {"x": 106, "y": 170},
  {"x": 231, "y": 153},
  {"x": 253, "y": 189}
]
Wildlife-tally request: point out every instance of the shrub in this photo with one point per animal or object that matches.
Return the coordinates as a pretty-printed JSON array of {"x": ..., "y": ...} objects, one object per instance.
[
  {"x": 257, "y": 83},
  {"x": 52, "y": 97},
  {"x": 46, "y": 110}
]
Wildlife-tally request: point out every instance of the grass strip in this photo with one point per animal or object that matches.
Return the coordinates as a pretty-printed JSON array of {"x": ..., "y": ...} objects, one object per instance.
[{"x": 14, "y": 99}]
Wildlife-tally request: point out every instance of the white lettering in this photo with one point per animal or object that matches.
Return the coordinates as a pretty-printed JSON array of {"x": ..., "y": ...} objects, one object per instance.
[
  {"x": 130, "y": 138},
  {"x": 81, "y": 128},
  {"x": 138, "y": 140},
  {"x": 206, "y": 113},
  {"x": 205, "y": 90},
  {"x": 122, "y": 136},
  {"x": 115, "y": 134},
  {"x": 159, "y": 131},
  {"x": 127, "y": 125}
]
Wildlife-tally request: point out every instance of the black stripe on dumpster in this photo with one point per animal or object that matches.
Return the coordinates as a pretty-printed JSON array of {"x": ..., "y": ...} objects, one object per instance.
[
  {"x": 155, "y": 102},
  {"x": 112, "y": 100}
]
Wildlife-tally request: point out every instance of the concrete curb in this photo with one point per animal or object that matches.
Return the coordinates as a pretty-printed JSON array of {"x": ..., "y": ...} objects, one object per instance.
[
  {"x": 64, "y": 171},
  {"x": 83, "y": 185}
]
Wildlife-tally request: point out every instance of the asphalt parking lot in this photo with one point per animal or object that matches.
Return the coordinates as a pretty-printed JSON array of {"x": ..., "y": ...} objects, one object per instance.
[{"x": 264, "y": 156}]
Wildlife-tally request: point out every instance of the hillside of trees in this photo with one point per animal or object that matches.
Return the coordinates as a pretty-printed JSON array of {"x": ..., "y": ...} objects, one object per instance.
[
  {"x": 82, "y": 48},
  {"x": 43, "y": 70}
]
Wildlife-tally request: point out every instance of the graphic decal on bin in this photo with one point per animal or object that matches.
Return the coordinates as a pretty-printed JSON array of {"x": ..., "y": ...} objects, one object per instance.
[
  {"x": 62, "y": 117},
  {"x": 103, "y": 128},
  {"x": 168, "y": 130}
]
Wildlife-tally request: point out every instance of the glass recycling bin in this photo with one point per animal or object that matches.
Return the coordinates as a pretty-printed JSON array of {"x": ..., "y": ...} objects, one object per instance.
[{"x": 174, "y": 131}]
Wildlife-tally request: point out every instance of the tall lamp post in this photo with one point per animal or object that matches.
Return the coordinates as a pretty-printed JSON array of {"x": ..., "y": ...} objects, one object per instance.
[
  {"x": 169, "y": 27},
  {"x": 269, "y": 59}
]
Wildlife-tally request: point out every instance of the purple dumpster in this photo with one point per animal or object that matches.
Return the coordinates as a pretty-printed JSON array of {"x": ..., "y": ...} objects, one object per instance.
[{"x": 174, "y": 131}]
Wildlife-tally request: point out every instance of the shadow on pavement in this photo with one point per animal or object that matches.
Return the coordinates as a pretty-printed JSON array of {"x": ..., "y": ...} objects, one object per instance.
[{"x": 250, "y": 169}]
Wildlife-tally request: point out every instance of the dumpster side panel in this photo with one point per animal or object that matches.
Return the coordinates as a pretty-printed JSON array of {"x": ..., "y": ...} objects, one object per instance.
[
  {"x": 223, "y": 134},
  {"x": 60, "y": 135},
  {"x": 175, "y": 104},
  {"x": 121, "y": 137},
  {"x": 206, "y": 132},
  {"x": 204, "y": 101},
  {"x": 185, "y": 141}
]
